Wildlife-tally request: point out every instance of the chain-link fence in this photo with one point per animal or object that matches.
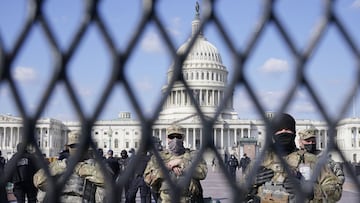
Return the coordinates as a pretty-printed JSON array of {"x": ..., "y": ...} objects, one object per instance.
[{"x": 150, "y": 15}]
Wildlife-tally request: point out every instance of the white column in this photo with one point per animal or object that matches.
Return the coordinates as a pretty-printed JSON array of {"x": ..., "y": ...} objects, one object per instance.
[
  {"x": 18, "y": 135},
  {"x": 194, "y": 138},
  {"x": 187, "y": 136},
  {"x": 201, "y": 137},
  {"x": 235, "y": 135},
  {"x": 219, "y": 97},
  {"x": 222, "y": 137},
  {"x": 182, "y": 98},
  {"x": 214, "y": 129},
  {"x": 207, "y": 97},
  {"x": 50, "y": 138},
  {"x": 11, "y": 137},
  {"x": 212, "y": 97},
  {"x": 228, "y": 137}
]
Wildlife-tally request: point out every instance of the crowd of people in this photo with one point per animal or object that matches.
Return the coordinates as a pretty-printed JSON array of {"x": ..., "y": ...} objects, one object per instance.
[{"x": 87, "y": 182}]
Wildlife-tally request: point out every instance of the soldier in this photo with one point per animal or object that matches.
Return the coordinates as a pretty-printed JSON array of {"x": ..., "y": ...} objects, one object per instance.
[
  {"x": 244, "y": 162},
  {"x": 3, "y": 193},
  {"x": 177, "y": 159},
  {"x": 22, "y": 177},
  {"x": 137, "y": 182},
  {"x": 84, "y": 185},
  {"x": 273, "y": 183},
  {"x": 123, "y": 162},
  {"x": 233, "y": 164},
  {"x": 307, "y": 141},
  {"x": 113, "y": 164}
]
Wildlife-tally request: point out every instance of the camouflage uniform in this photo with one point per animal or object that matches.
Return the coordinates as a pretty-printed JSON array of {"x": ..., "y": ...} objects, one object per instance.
[
  {"x": 86, "y": 184},
  {"x": 154, "y": 177},
  {"x": 338, "y": 171},
  {"x": 334, "y": 166},
  {"x": 326, "y": 189}
]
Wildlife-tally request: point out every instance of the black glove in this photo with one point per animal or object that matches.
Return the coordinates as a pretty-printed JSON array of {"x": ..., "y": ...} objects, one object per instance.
[
  {"x": 253, "y": 199},
  {"x": 289, "y": 185},
  {"x": 298, "y": 179},
  {"x": 264, "y": 175}
]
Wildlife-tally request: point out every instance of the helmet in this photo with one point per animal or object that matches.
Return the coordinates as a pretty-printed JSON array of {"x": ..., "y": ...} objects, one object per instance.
[
  {"x": 73, "y": 137},
  {"x": 174, "y": 129},
  {"x": 306, "y": 134}
]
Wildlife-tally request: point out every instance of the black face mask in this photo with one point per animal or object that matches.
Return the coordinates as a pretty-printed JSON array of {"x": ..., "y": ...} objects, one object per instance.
[
  {"x": 285, "y": 141},
  {"x": 311, "y": 148},
  {"x": 176, "y": 146}
]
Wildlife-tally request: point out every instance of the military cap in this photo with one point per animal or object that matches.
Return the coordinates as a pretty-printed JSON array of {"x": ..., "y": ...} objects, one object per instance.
[
  {"x": 306, "y": 134},
  {"x": 174, "y": 129},
  {"x": 73, "y": 137}
]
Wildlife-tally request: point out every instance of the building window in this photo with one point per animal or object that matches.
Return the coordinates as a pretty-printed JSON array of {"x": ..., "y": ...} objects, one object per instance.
[
  {"x": 116, "y": 143},
  {"x": 136, "y": 144},
  {"x": 127, "y": 145}
]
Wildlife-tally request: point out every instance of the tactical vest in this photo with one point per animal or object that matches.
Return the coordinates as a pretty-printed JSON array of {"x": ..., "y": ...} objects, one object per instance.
[
  {"x": 191, "y": 193},
  {"x": 74, "y": 186},
  {"x": 274, "y": 190}
]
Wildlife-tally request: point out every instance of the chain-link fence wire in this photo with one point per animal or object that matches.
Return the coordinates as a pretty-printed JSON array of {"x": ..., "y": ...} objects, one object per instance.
[{"x": 150, "y": 14}]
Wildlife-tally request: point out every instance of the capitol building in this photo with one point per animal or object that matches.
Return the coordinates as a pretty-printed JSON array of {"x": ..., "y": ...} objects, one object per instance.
[{"x": 206, "y": 75}]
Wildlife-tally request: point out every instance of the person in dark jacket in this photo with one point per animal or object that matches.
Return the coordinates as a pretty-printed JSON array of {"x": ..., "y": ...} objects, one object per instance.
[
  {"x": 22, "y": 176},
  {"x": 233, "y": 164},
  {"x": 123, "y": 163},
  {"x": 113, "y": 164},
  {"x": 138, "y": 181},
  {"x": 3, "y": 193},
  {"x": 244, "y": 162}
]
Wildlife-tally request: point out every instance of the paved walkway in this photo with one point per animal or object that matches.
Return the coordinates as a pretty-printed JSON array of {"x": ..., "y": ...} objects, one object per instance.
[{"x": 216, "y": 187}]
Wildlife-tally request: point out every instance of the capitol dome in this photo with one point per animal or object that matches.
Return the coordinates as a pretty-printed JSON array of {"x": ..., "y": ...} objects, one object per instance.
[
  {"x": 202, "y": 50},
  {"x": 205, "y": 74}
]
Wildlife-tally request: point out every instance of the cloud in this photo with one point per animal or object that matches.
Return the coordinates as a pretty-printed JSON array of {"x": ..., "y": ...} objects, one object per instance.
[
  {"x": 4, "y": 91},
  {"x": 274, "y": 65},
  {"x": 84, "y": 91},
  {"x": 304, "y": 107},
  {"x": 25, "y": 74},
  {"x": 356, "y": 4},
  {"x": 145, "y": 85},
  {"x": 152, "y": 43},
  {"x": 269, "y": 99},
  {"x": 175, "y": 27}
]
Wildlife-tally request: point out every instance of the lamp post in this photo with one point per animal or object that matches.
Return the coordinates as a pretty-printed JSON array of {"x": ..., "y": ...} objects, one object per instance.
[{"x": 110, "y": 135}]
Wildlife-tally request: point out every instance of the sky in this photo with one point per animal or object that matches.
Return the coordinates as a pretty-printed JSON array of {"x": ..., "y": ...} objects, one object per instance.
[{"x": 270, "y": 68}]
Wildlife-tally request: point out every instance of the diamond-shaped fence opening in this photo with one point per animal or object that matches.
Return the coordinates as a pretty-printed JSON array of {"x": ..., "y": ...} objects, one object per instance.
[{"x": 179, "y": 90}]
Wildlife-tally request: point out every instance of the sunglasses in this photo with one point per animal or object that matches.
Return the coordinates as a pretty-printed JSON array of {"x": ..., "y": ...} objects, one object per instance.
[
  {"x": 73, "y": 145},
  {"x": 172, "y": 136}
]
